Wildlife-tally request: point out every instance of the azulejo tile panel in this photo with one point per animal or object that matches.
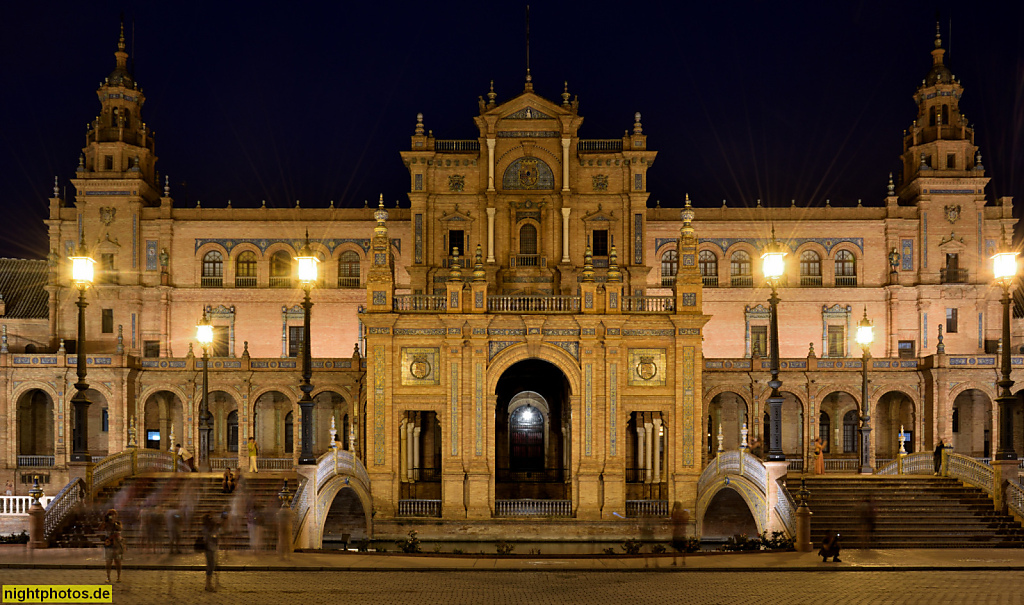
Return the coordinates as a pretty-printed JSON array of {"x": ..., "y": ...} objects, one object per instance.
[
  {"x": 420, "y": 366},
  {"x": 647, "y": 367}
]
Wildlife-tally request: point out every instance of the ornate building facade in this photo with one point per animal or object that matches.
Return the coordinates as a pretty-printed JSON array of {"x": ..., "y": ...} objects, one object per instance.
[{"x": 530, "y": 337}]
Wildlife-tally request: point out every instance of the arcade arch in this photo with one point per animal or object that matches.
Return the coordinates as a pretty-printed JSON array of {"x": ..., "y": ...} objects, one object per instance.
[
  {"x": 972, "y": 423},
  {"x": 893, "y": 411}
]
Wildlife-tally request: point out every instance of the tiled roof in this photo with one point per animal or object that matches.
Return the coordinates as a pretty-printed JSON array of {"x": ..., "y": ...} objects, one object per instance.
[{"x": 22, "y": 284}]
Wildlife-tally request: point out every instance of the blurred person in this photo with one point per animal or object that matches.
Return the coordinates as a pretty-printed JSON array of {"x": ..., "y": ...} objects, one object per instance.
[
  {"x": 9, "y": 488},
  {"x": 186, "y": 456},
  {"x": 680, "y": 519},
  {"x": 113, "y": 542},
  {"x": 819, "y": 456},
  {"x": 830, "y": 547},
  {"x": 172, "y": 517},
  {"x": 211, "y": 542},
  {"x": 937, "y": 457},
  {"x": 868, "y": 519}
]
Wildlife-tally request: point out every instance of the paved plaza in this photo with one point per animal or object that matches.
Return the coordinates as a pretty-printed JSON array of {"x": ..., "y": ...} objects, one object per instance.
[{"x": 865, "y": 576}]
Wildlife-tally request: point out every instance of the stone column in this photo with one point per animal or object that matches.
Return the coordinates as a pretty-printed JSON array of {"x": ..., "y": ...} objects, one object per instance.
[
  {"x": 640, "y": 457},
  {"x": 565, "y": 234},
  {"x": 565, "y": 164},
  {"x": 416, "y": 451},
  {"x": 649, "y": 446},
  {"x": 490, "y": 164},
  {"x": 657, "y": 450},
  {"x": 490, "y": 233},
  {"x": 403, "y": 463}
]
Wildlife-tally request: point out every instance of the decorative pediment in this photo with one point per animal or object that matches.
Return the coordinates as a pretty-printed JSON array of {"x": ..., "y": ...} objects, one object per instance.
[
  {"x": 599, "y": 215},
  {"x": 952, "y": 243},
  {"x": 836, "y": 309},
  {"x": 456, "y": 215},
  {"x": 221, "y": 310},
  {"x": 528, "y": 113}
]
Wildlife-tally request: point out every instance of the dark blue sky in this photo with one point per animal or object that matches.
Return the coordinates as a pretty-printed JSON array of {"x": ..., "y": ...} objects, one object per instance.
[{"x": 282, "y": 101}]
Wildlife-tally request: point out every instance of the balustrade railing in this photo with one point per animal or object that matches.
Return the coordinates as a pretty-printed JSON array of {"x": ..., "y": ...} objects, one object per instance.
[
  {"x": 846, "y": 281},
  {"x": 112, "y": 468},
  {"x": 73, "y": 494},
  {"x": 842, "y": 464},
  {"x": 18, "y": 505},
  {"x": 648, "y": 304},
  {"x": 526, "y": 260},
  {"x": 456, "y": 145},
  {"x": 734, "y": 462},
  {"x": 755, "y": 470},
  {"x": 348, "y": 282},
  {"x": 785, "y": 507},
  {"x": 810, "y": 281},
  {"x": 709, "y": 281},
  {"x": 966, "y": 469},
  {"x": 280, "y": 281},
  {"x": 422, "y": 303},
  {"x": 211, "y": 282},
  {"x": 741, "y": 281},
  {"x": 599, "y": 145},
  {"x": 794, "y": 464},
  {"x": 532, "y": 508},
  {"x": 219, "y": 464},
  {"x": 35, "y": 461},
  {"x": 667, "y": 281},
  {"x": 1015, "y": 498},
  {"x": 339, "y": 462},
  {"x": 245, "y": 282},
  {"x": 419, "y": 508},
  {"x": 647, "y": 508},
  {"x": 300, "y": 505},
  {"x": 275, "y": 464},
  {"x": 506, "y": 303},
  {"x": 953, "y": 276}
]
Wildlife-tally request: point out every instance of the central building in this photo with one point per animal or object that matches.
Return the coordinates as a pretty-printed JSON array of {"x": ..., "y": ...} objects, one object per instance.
[{"x": 525, "y": 371}]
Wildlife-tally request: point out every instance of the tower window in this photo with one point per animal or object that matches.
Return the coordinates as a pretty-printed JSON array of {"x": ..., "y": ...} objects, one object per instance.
[
  {"x": 759, "y": 341},
  {"x": 950, "y": 161},
  {"x": 108, "y": 321},
  {"x": 836, "y": 341},
  {"x": 669, "y": 267},
  {"x": 281, "y": 270},
  {"x": 108, "y": 162},
  {"x": 527, "y": 239},
  {"x": 348, "y": 270},
  {"x": 456, "y": 239},
  {"x": 951, "y": 322},
  {"x": 600, "y": 242}
]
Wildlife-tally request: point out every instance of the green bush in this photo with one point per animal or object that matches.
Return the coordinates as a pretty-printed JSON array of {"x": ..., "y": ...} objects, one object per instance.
[
  {"x": 632, "y": 547},
  {"x": 458, "y": 551},
  {"x": 741, "y": 542},
  {"x": 21, "y": 538},
  {"x": 658, "y": 549},
  {"x": 504, "y": 548},
  {"x": 410, "y": 544},
  {"x": 609, "y": 551}
]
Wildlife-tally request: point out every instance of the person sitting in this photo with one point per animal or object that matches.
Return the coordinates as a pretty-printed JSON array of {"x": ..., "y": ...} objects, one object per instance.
[
  {"x": 226, "y": 485},
  {"x": 830, "y": 547}
]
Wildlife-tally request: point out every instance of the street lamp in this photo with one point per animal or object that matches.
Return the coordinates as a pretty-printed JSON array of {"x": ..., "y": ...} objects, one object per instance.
[
  {"x": 773, "y": 267},
  {"x": 1004, "y": 268},
  {"x": 82, "y": 276},
  {"x": 307, "y": 262},
  {"x": 865, "y": 334},
  {"x": 204, "y": 334}
]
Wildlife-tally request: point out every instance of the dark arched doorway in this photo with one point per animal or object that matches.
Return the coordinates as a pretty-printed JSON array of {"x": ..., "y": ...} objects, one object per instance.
[
  {"x": 727, "y": 515},
  {"x": 532, "y": 432},
  {"x": 345, "y": 522}
]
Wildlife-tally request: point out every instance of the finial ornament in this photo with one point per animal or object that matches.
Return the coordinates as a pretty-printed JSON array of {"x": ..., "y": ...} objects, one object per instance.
[
  {"x": 479, "y": 275},
  {"x": 491, "y": 95},
  {"x": 419, "y": 124},
  {"x": 167, "y": 186},
  {"x": 891, "y": 186},
  {"x": 455, "y": 270},
  {"x": 131, "y": 433},
  {"x": 56, "y": 187},
  {"x": 940, "y": 348},
  {"x": 588, "y": 264},
  {"x": 120, "y": 339},
  {"x": 565, "y": 93},
  {"x": 614, "y": 275},
  {"x": 638, "y": 128},
  {"x": 938, "y": 36}
]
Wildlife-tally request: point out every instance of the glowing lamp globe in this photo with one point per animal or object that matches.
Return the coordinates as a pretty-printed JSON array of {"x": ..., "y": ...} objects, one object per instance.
[
  {"x": 204, "y": 332},
  {"x": 773, "y": 261},
  {"x": 1004, "y": 266},
  {"x": 307, "y": 262},
  {"x": 82, "y": 270},
  {"x": 865, "y": 331}
]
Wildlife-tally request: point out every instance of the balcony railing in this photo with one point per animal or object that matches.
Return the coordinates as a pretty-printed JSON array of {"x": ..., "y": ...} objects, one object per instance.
[
  {"x": 245, "y": 282},
  {"x": 710, "y": 281},
  {"x": 667, "y": 281},
  {"x": 35, "y": 461},
  {"x": 419, "y": 508},
  {"x": 741, "y": 281},
  {"x": 274, "y": 464},
  {"x": 511, "y": 303},
  {"x": 526, "y": 260},
  {"x": 541, "y": 475},
  {"x": 647, "y": 508},
  {"x": 427, "y": 475},
  {"x": 810, "y": 281},
  {"x": 457, "y": 145},
  {"x": 599, "y": 145},
  {"x": 953, "y": 276},
  {"x": 420, "y": 303},
  {"x": 532, "y": 508},
  {"x": 211, "y": 282},
  {"x": 280, "y": 282},
  {"x": 846, "y": 281},
  {"x": 648, "y": 304},
  {"x": 348, "y": 282}
]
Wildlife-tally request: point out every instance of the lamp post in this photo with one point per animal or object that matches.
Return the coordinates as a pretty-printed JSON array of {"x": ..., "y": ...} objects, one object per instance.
[
  {"x": 82, "y": 276},
  {"x": 773, "y": 267},
  {"x": 307, "y": 262},
  {"x": 865, "y": 334},
  {"x": 1004, "y": 268},
  {"x": 204, "y": 334}
]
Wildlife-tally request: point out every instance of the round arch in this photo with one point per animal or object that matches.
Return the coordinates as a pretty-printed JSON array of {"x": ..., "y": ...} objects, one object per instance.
[
  {"x": 750, "y": 494},
  {"x": 35, "y": 409},
  {"x": 326, "y": 497},
  {"x": 726, "y": 412},
  {"x": 162, "y": 414},
  {"x": 545, "y": 352}
]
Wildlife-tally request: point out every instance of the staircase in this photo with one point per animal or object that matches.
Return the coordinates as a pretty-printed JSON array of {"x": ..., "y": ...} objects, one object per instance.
[
  {"x": 910, "y": 512},
  {"x": 143, "y": 501}
]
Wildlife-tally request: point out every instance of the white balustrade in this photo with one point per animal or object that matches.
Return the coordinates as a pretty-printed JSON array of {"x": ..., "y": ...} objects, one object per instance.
[
  {"x": 339, "y": 462},
  {"x": 419, "y": 508},
  {"x": 62, "y": 504},
  {"x": 647, "y": 508},
  {"x": 19, "y": 505},
  {"x": 842, "y": 464},
  {"x": 971, "y": 471},
  {"x": 532, "y": 508},
  {"x": 219, "y": 464},
  {"x": 786, "y": 507},
  {"x": 35, "y": 461},
  {"x": 275, "y": 464}
]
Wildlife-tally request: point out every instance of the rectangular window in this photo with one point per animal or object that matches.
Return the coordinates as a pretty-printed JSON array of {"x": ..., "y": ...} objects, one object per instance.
[
  {"x": 906, "y": 349},
  {"x": 151, "y": 348},
  {"x": 219, "y": 348},
  {"x": 418, "y": 179},
  {"x": 991, "y": 346},
  {"x": 759, "y": 341},
  {"x": 600, "y": 242},
  {"x": 108, "y": 162},
  {"x": 950, "y": 161},
  {"x": 951, "y": 321},
  {"x": 108, "y": 275},
  {"x": 295, "y": 340},
  {"x": 836, "y": 341},
  {"x": 456, "y": 239},
  {"x": 638, "y": 182},
  {"x": 108, "y": 321},
  {"x": 849, "y": 437},
  {"x": 105, "y": 421}
]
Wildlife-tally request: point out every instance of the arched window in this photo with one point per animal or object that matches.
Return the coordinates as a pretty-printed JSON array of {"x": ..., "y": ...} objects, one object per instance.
[
  {"x": 527, "y": 239},
  {"x": 850, "y": 432},
  {"x": 739, "y": 269},
  {"x": 213, "y": 270},
  {"x": 113, "y": 118},
  {"x": 348, "y": 270},
  {"x": 281, "y": 270},
  {"x": 669, "y": 267},
  {"x": 127, "y": 117},
  {"x": 810, "y": 268},
  {"x": 245, "y": 270},
  {"x": 708, "y": 263},
  {"x": 945, "y": 114},
  {"x": 825, "y": 431},
  {"x": 846, "y": 269},
  {"x": 931, "y": 116}
]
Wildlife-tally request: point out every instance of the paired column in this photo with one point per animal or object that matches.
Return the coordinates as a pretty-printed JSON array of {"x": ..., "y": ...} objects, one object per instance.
[
  {"x": 657, "y": 450},
  {"x": 490, "y": 232},
  {"x": 649, "y": 458},
  {"x": 641, "y": 457},
  {"x": 565, "y": 164},
  {"x": 565, "y": 234},
  {"x": 490, "y": 164}
]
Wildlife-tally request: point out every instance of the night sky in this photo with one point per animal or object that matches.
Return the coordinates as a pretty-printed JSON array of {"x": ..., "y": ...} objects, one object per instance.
[{"x": 284, "y": 101}]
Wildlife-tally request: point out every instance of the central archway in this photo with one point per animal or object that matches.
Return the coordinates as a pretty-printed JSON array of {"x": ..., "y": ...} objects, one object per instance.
[{"x": 532, "y": 432}]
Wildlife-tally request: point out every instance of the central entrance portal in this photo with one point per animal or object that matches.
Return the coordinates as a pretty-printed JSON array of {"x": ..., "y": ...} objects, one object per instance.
[{"x": 532, "y": 432}]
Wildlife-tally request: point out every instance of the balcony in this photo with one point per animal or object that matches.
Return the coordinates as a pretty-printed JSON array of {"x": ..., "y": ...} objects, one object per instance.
[
  {"x": 511, "y": 303},
  {"x": 648, "y": 304},
  {"x": 419, "y": 508},
  {"x": 599, "y": 145},
  {"x": 420, "y": 303},
  {"x": 211, "y": 282},
  {"x": 810, "y": 281},
  {"x": 532, "y": 508},
  {"x": 710, "y": 281},
  {"x": 526, "y": 260},
  {"x": 457, "y": 145},
  {"x": 953, "y": 276},
  {"x": 348, "y": 282},
  {"x": 846, "y": 281},
  {"x": 280, "y": 282},
  {"x": 646, "y": 508},
  {"x": 741, "y": 281},
  {"x": 35, "y": 461},
  {"x": 667, "y": 281},
  {"x": 245, "y": 282}
]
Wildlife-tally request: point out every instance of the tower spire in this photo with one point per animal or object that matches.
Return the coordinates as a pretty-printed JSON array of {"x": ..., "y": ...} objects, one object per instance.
[{"x": 529, "y": 78}]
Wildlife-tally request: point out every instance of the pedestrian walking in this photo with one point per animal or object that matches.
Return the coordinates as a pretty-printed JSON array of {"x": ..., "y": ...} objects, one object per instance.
[
  {"x": 187, "y": 457},
  {"x": 254, "y": 451},
  {"x": 819, "y": 456},
  {"x": 173, "y": 520},
  {"x": 937, "y": 457},
  {"x": 830, "y": 547},
  {"x": 211, "y": 543},
  {"x": 9, "y": 488},
  {"x": 113, "y": 542},
  {"x": 868, "y": 519},
  {"x": 284, "y": 531},
  {"x": 680, "y": 519}
]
